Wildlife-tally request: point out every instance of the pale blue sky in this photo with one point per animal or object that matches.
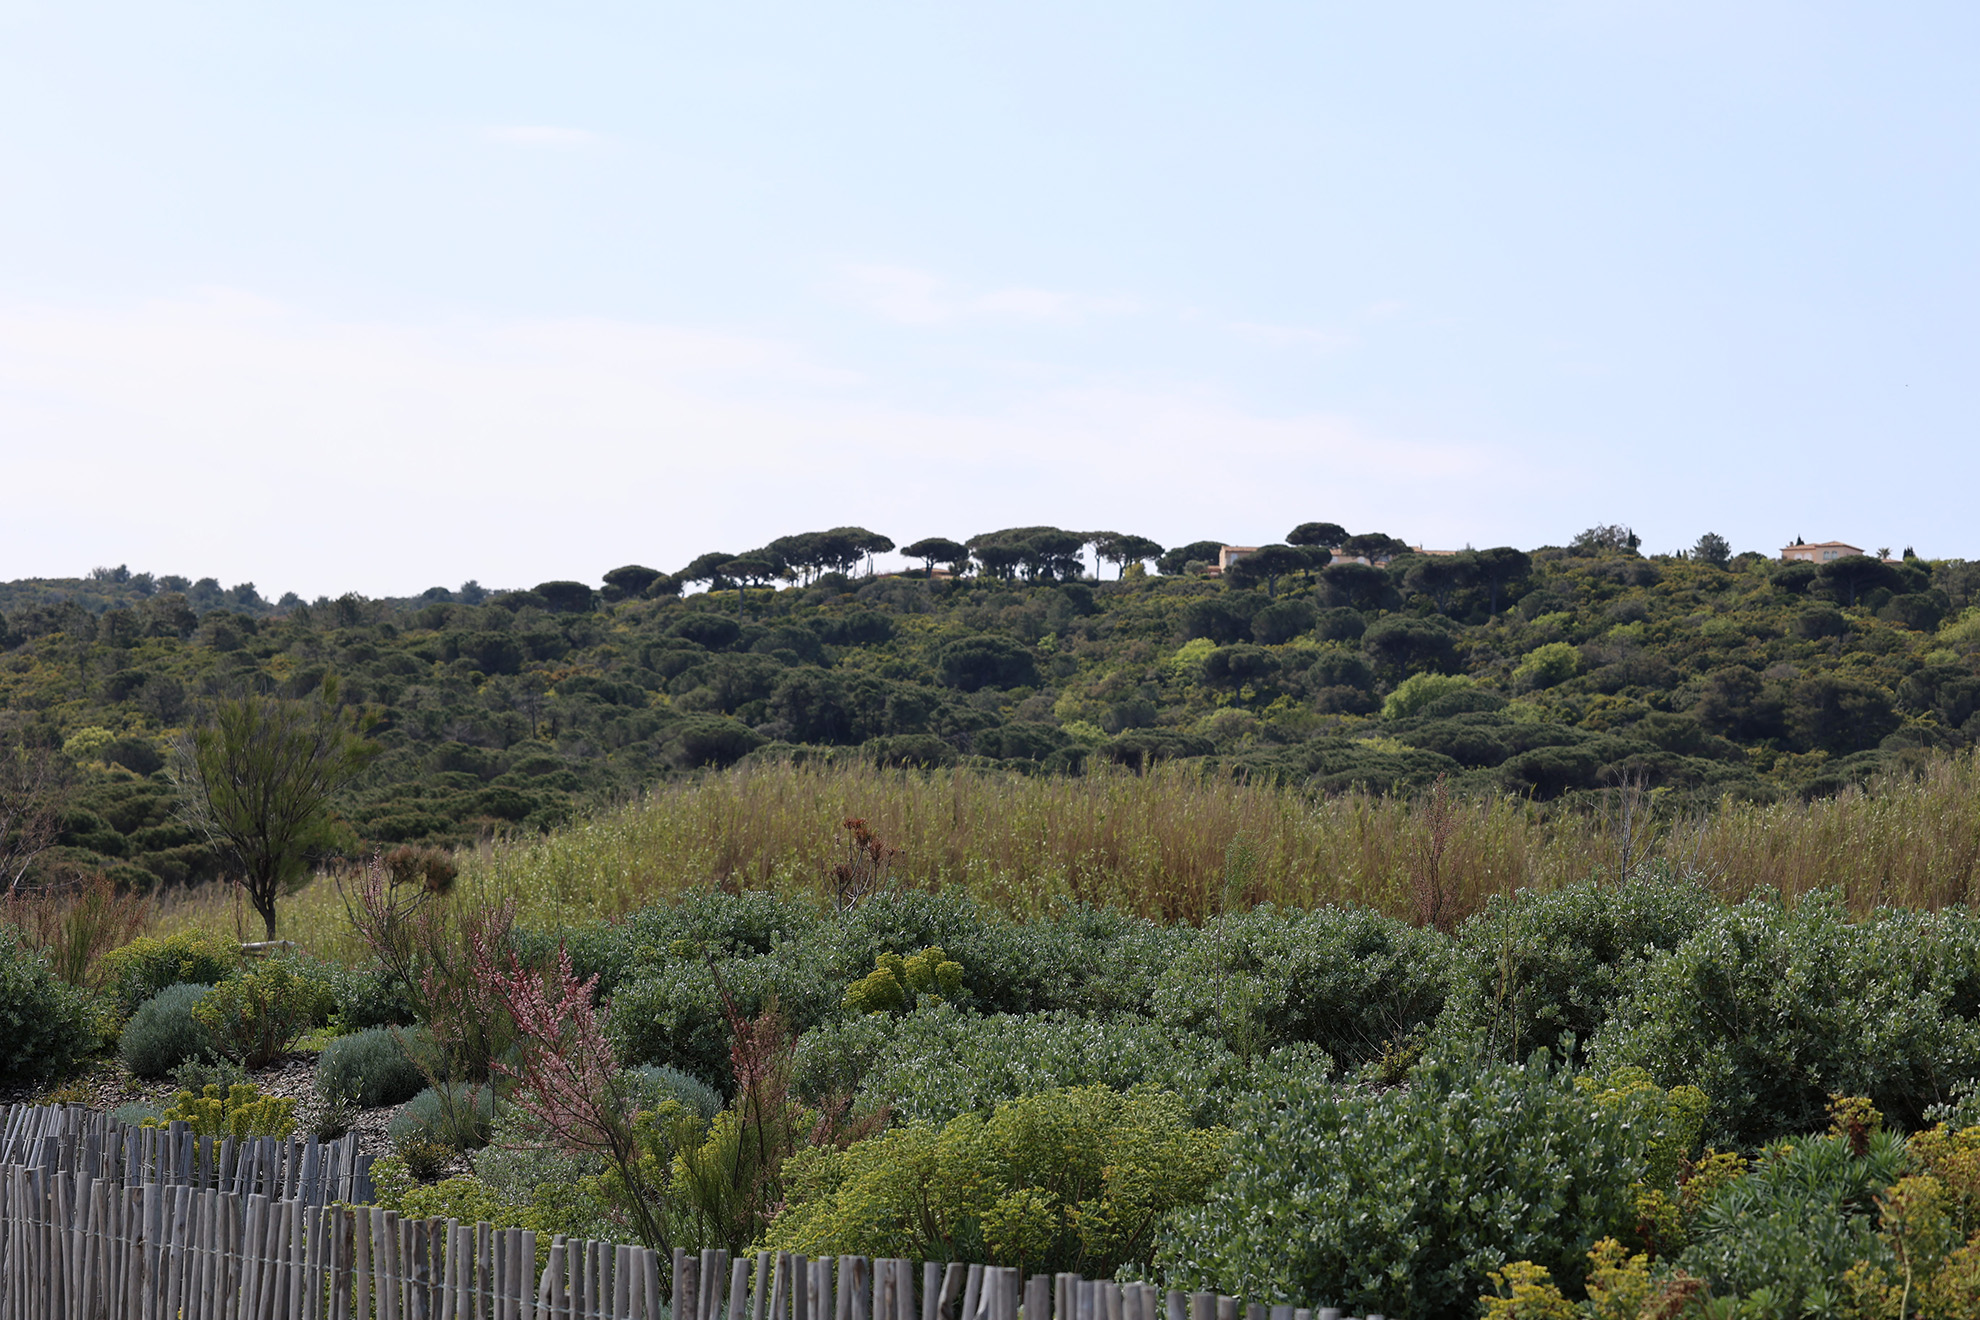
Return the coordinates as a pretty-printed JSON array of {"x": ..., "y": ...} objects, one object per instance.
[{"x": 378, "y": 296}]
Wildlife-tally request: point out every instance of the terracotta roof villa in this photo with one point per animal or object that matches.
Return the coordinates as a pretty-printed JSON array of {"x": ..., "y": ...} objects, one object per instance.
[{"x": 1821, "y": 552}]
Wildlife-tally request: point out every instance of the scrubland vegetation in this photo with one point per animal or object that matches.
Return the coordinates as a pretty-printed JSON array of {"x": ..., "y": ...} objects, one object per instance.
[
  {"x": 1640, "y": 1091},
  {"x": 1610, "y": 953},
  {"x": 1547, "y": 676}
]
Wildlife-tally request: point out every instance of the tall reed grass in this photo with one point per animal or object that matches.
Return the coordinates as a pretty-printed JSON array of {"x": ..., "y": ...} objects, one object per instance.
[{"x": 1178, "y": 844}]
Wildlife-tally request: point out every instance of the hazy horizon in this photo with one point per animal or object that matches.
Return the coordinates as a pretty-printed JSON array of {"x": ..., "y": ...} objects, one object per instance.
[{"x": 380, "y": 298}]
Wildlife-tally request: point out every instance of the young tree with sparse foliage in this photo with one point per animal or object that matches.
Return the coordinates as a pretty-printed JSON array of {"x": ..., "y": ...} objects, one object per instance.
[
  {"x": 33, "y": 788},
  {"x": 256, "y": 780}
]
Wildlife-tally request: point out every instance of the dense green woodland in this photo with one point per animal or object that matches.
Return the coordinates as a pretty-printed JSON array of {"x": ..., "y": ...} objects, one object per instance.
[{"x": 1546, "y": 674}]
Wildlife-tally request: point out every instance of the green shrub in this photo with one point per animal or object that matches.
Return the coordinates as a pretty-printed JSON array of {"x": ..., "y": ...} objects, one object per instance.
[
  {"x": 1960, "y": 1110},
  {"x": 934, "y": 1064},
  {"x": 1536, "y": 968},
  {"x": 163, "y": 1033},
  {"x": 470, "y": 1200},
  {"x": 1090, "y": 959},
  {"x": 1419, "y": 690},
  {"x": 652, "y": 1085},
  {"x": 1086, "y": 959},
  {"x": 550, "y": 1209},
  {"x": 145, "y": 966},
  {"x": 372, "y": 997},
  {"x": 596, "y": 948},
  {"x": 1796, "y": 1223},
  {"x": 1547, "y": 665},
  {"x": 1401, "y": 1201},
  {"x": 45, "y": 1024},
  {"x": 723, "y": 926},
  {"x": 1770, "y": 1009},
  {"x": 1348, "y": 980},
  {"x": 424, "y": 1158},
  {"x": 458, "y": 1117},
  {"x": 318, "y": 986},
  {"x": 525, "y": 1166},
  {"x": 1065, "y": 1179},
  {"x": 671, "y": 1012},
  {"x": 255, "y": 1017},
  {"x": 374, "y": 1067},
  {"x": 137, "y": 1113}
]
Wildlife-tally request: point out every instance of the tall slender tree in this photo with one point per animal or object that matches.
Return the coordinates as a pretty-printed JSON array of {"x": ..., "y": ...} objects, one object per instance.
[
  {"x": 256, "y": 779},
  {"x": 754, "y": 568},
  {"x": 1122, "y": 550}
]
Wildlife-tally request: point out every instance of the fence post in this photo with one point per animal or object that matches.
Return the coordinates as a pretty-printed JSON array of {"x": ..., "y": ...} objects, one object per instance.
[
  {"x": 550, "y": 1288},
  {"x": 1037, "y": 1297}
]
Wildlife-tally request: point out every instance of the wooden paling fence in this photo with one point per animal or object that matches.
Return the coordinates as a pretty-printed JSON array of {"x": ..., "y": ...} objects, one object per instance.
[
  {"x": 77, "y": 1247},
  {"x": 74, "y": 1139},
  {"x": 855, "y": 1288}
]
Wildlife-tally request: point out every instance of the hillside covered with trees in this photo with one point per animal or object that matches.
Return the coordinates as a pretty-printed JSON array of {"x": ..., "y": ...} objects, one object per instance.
[{"x": 1329, "y": 661}]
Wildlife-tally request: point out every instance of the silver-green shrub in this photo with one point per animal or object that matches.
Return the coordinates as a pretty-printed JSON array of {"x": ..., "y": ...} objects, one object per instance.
[
  {"x": 374, "y": 1067},
  {"x": 458, "y": 1117},
  {"x": 163, "y": 1033}
]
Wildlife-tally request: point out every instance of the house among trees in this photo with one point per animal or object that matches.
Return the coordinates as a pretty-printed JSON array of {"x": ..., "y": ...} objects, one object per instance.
[
  {"x": 1230, "y": 554},
  {"x": 1819, "y": 553},
  {"x": 1375, "y": 549}
]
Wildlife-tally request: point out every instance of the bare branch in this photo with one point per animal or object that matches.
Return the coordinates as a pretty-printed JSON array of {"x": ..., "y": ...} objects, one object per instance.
[{"x": 34, "y": 788}]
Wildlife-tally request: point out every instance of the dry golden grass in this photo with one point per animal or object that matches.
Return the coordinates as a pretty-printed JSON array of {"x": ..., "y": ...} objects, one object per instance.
[{"x": 1179, "y": 845}]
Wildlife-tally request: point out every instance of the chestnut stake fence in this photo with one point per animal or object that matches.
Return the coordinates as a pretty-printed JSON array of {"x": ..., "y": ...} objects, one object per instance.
[
  {"x": 74, "y": 1139},
  {"x": 74, "y": 1246}
]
